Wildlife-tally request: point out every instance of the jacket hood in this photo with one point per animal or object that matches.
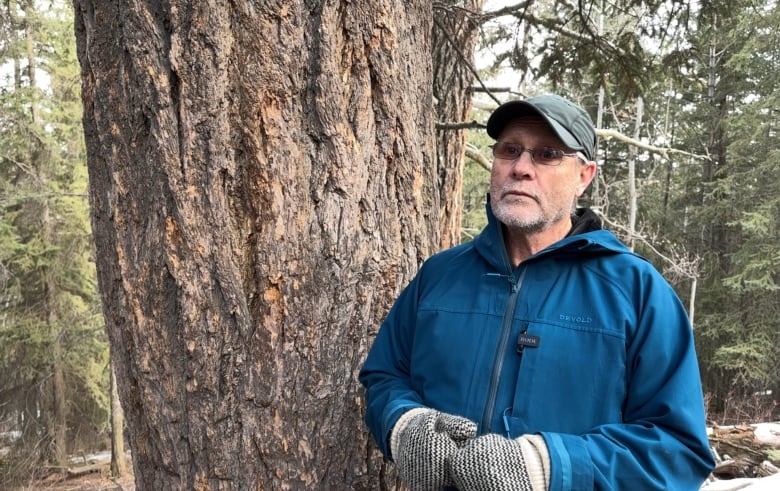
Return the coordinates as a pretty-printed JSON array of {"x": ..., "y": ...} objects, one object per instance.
[
  {"x": 586, "y": 237},
  {"x": 584, "y": 220}
]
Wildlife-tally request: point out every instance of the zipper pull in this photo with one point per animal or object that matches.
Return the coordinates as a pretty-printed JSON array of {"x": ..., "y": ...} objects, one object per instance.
[
  {"x": 505, "y": 417},
  {"x": 516, "y": 279}
]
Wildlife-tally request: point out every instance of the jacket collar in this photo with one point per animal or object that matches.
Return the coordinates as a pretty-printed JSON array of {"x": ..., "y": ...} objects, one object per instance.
[
  {"x": 584, "y": 220},
  {"x": 586, "y": 237}
]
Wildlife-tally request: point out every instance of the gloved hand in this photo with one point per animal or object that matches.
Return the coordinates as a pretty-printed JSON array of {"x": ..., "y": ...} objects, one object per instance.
[
  {"x": 422, "y": 441},
  {"x": 494, "y": 463}
]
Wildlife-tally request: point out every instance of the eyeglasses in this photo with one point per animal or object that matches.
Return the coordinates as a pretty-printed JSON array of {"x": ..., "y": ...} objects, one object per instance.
[{"x": 541, "y": 155}]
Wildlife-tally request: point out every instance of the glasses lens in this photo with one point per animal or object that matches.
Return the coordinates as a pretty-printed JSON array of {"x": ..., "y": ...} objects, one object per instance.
[
  {"x": 547, "y": 155},
  {"x": 508, "y": 151},
  {"x": 541, "y": 155}
]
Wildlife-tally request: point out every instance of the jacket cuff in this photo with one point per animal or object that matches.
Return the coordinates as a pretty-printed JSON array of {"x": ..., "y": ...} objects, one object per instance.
[{"x": 570, "y": 464}]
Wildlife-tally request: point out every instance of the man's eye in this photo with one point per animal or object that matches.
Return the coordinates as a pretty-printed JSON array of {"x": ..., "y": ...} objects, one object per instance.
[
  {"x": 546, "y": 153},
  {"x": 512, "y": 150}
]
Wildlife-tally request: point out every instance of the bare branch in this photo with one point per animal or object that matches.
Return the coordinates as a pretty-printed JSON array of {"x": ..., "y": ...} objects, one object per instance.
[
  {"x": 23, "y": 166},
  {"x": 510, "y": 10},
  {"x": 464, "y": 125},
  {"x": 492, "y": 89},
  {"x": 607, "y": 134},
  {"x": 680, "y": 264},
  {"x": 484, "y": 106},
  {"x": 474, "y": 154},
  {"x": 663, "y": 151}
]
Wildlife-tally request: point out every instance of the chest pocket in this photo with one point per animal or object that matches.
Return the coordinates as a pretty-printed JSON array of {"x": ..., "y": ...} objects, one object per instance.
[{"x": 571, "y": 381}]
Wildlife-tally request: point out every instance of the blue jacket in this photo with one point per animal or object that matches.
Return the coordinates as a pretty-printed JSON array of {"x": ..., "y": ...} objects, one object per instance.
[{"x": 584, "y": 343}]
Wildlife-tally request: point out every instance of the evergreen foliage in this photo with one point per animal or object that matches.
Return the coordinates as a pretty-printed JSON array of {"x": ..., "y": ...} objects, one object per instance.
[
  {"x": 742, "y": 202},
  {"x": 50, "y": 317},
  {"x": 708, "y": 218}
]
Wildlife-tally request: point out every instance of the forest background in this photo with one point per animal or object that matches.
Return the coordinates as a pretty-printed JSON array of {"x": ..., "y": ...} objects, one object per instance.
[{"x": 684, "y": 96}]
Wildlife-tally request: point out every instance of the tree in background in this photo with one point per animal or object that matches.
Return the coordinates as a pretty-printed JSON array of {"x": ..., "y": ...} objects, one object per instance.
[
  {"x": 53, "y": 353},
  {"x": 738, "y": 206},
  {"x": 705, "y": 77},
  {"x": 456, "y": 26}
]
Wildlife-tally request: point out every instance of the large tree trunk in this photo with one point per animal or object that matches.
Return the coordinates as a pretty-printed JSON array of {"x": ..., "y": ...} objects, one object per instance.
[
  {"x": 261, "y": 179},
  {"x": 455, "y": 32}
]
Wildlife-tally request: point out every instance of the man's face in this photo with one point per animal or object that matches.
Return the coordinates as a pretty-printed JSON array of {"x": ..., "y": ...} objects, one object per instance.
[{"x": 530, "y": 197}]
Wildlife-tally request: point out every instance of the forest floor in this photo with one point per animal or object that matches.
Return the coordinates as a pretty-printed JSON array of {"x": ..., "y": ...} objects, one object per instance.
[
  {"x": 85, "y": 473},
  {"x": 96, "y": 481}
]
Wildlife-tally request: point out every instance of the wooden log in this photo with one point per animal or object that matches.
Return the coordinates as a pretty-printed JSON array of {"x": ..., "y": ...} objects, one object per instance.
[
  {"x": 87, "y": 469},
  {"x": 730, "y": 469},
  {"x": 766, "y": 469},
  {"x": 746, "y": 450}
]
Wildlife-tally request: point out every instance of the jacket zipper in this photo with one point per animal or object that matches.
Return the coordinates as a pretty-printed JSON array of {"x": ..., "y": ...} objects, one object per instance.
[{"x": 498, "y": 361}]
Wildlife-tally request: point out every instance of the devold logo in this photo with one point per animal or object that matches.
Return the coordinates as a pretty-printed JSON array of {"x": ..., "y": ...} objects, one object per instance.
[{"x": 579, "y": 319}]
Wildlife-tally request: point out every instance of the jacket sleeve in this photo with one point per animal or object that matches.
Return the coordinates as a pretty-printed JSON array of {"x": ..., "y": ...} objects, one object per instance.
[
  {"x": 662, "y": 442},
  {"x": 385, "y": 373}
]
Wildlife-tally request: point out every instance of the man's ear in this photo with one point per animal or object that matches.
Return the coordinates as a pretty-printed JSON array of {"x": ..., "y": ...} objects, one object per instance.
[{"x": 587, "y": 173}]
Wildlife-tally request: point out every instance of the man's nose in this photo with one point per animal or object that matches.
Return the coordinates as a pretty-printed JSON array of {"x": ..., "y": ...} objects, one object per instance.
[{"x": 523, "y": 163}]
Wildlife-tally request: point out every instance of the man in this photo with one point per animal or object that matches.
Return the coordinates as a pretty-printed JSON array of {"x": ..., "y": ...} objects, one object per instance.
[{"x": 543, "y": 355}]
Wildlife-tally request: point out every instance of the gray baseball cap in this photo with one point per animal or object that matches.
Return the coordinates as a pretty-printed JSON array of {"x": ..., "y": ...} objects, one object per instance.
[{"x": 569, "y": 121}]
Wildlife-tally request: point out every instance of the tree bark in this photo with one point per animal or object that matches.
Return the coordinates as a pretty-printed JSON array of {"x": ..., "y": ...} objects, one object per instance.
[
  {"x": 454, "y": 40},
  {"x": 262, "y": 186},
  {"x": 632, "y": 160},
  {"x": 118, "y": 461},
  {"x": 58, "y": 425}
]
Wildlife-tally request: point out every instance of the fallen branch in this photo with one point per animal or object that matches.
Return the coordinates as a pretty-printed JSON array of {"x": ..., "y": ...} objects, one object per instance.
[{"x": 86, "y": 469}]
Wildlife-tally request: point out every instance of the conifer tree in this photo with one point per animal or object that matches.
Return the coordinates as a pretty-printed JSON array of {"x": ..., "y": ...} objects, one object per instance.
[{"x": 53, "y": 351}]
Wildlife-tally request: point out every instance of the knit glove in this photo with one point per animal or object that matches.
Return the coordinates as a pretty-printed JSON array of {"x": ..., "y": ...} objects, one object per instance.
[
  {"x": 494, "y": 463},
  {"x": 422, "y": 441}
]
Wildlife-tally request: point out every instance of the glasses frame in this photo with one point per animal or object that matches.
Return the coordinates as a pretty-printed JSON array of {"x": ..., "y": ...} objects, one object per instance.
[{"x": 532, "y": 153}]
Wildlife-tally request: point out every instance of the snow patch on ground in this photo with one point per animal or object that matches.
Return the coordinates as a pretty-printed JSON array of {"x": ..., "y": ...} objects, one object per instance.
[{"x": 771, "y": 483}]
